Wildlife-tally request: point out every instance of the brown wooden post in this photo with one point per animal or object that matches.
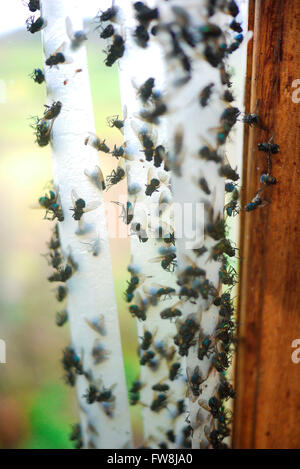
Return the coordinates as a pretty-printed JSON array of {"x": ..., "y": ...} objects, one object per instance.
[{"x": 267, "y": 408}]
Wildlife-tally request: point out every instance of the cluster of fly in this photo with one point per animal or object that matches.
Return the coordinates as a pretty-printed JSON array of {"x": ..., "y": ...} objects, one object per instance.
[
  {"x": 132, "y": 285},
  {"x": 227, "y": 6},
  {"x": 266, "y": 179},
  {"x": 184, "y": 338},
  {"x": 52, "y": 205},
  {"x": 43, "y": 126},
  {"x": 134, "y": 392},
  {"x": 144, "y": 16},
  {"x": 231, "y": 207},
  {"x": 72, "y": 365},
  {"x": 62, "y": 271},
  {"x": 116, "y": 48},
  {"x": 76, "y": 435}
]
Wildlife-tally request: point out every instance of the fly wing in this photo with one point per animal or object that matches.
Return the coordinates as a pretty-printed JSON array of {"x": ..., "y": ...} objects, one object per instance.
[
  {"x": 69, "y": 28},
  {"x": 92, "y": 206},
  {"x": 74, "y": 196}
]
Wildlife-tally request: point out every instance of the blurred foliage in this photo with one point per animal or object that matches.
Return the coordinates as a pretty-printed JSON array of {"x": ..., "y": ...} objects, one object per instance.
[{"x": 36, "y": 408}]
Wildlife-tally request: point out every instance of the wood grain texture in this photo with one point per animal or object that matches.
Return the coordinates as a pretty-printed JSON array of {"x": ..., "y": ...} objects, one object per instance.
[{"x": 267, "y": 408}]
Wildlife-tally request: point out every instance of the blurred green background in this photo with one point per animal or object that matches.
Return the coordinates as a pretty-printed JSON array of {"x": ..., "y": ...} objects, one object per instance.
[{"x": 36, "y": 407}]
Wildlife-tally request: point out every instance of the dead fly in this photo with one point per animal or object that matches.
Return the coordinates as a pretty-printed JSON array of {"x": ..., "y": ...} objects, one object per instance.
[
  {"x": 139, "y": 309},
  {"x": 107, "y": 15},
  {"x": 51, "y": 112},
  {"x": 153, "y": 183},
  {"x": 99, "y": 353},
  {"x": 205, "y": 94},
  {"x": 116, "y": 176},
  {"x": 61, "y": 293},
  {"x": 172, "y": 312},
  {"x": 199, "y": 252},
  {"x": 190, "y": 272},
  {"x": 61, "y": 318},
  {"x": 167, "y": 258},
  {"x": 71, "y": 361},
  {"x": 228, "y": 96},
  {"x": 58, "y": 57},
  {"x": 115, "y": 51},
  {"x": 126, "y": 213},
  {"x": 225, "y": 77},
  {"x": 132, "y": 286},
  {"x": 205, "y": 347},
  {"x": 62, "y": 275},
  {"x": 33, "y": 26},
  {"x": 222, "y": 247},
  {"x": 91, "y": 394},
  {"x": 250, "y": 119},
  {"x": 229, "y": 173},
  {"x": 114, "y": 121},
  {"x": 52, "y": 206},
  {"x": 97, "y": 324},
  {"x": 160, "y": 387},
  {"x": 225, "y": 390},
  {"x": 76, "y": 37},
  {"x": 146, "y": 340},
  {"x": 95, "y": 142},
  {"x": 160, "y": 156},
  {"x": 54, "y": 241},
  {"x": 33, "y": 5},
  {"x": 204, "y": 186},
  {"x": 159, "y": 403},
  {"x": 195, "y": 380},
  {"x": 80, "y": 207},
  {"x": 144, "y": 14},
  {"x": 180, "y": 408},
  {"x": 236, "y": 26},
  {"x": 214, "y": 55},
  {"x": 228, "y": 275},
  {"x": 134, "y": 392},
  {"x": 215, "y": 438},
  {"x": 224, "y": 302},
  {"x": 208, "y": 153},
  {"x": 164, "y": 203},
  {"x": 141, "y": 36},
  {"x": 229, "y": 118},
  {"x": 147, "y": 140},
  {"x": 147, "y": 357},
  {"x": 256, "y": 202},
  {"x": 268, "y": 147},
  {"x": 42, "y": 130},
  {"x": 107, "y": 32},
  {"x": 118, "y": 152},
  {"x": 146, "y": 89},
  {"x": 185, "y": 335},
  {"x": 37, "y": 75},
  {"x": 152, "y": 115},
  {"x": 174, "y": 371},
  {"x": 76, "y": 435},
  {"x": 54, "y": 258},
  {"x": 106, "y": 394},
  {"x": 156, "y": 292},
  {"x": 139, "y": 229},
  {"x": 220, "y": 361},
  {"x": 216, "y": 229},
  {"x": 96, "y": 177}
]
